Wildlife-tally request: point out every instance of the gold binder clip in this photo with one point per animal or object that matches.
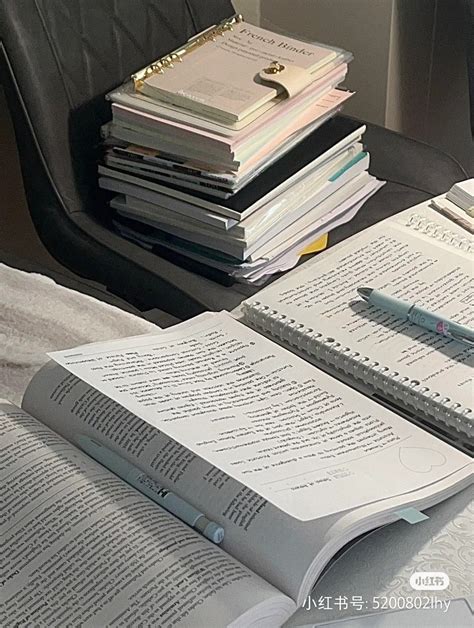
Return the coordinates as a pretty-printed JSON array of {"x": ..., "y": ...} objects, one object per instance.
[{"x": 274, "y": 68}]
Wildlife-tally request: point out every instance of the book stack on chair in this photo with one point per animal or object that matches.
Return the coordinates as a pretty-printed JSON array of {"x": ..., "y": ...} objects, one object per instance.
[{"x": 230, "y": 162}]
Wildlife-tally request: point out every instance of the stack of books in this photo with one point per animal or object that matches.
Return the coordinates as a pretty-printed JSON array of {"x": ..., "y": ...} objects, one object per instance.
[
  {"x": 230, "y": 162},
  {"x": 458, "y": 204}
]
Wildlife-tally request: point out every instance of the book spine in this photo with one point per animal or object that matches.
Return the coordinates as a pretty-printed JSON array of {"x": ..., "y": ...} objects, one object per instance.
[{"x": 411, "y": 393}]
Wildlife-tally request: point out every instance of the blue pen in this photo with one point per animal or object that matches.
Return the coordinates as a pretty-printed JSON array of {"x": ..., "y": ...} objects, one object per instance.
[
  {"x": 146, "y": 485},
  {"x": 418, "y": 316}
]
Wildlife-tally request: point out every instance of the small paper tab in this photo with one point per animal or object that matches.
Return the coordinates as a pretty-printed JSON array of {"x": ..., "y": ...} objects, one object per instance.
[
  {"x": 318, "y": 245},
  {"x": 412, "y": 515}
]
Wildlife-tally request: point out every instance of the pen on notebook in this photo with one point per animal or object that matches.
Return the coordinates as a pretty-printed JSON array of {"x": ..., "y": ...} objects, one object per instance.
[
  {"x": 146, "y": 485},
  {"x": 419, "y": 316}
]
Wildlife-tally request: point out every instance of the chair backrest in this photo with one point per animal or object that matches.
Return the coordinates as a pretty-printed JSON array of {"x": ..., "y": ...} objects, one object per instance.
[
  {"x": 470, "y": 57},
  {"x": 58, "y": 60}
]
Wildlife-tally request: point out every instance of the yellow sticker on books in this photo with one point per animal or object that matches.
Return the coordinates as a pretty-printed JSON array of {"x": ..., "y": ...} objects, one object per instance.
[{"x": 318, "y": 245}]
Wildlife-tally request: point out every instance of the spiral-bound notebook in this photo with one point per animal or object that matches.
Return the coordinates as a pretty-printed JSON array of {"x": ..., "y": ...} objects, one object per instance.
[{"x": 417, "y": 255}]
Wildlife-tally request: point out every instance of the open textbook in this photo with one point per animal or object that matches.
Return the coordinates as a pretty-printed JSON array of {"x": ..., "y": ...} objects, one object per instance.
[{"x": 292, "y": 463}]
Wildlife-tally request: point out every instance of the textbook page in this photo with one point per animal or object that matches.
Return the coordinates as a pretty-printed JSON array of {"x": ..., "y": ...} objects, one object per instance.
[
  {"x": 283, "y": 550},
  {"x": 80, "y": 546},
  {"x": 404, "y": 263},
  {"x": 71, "y": 407},
  {"x": 297, "y": 437}
]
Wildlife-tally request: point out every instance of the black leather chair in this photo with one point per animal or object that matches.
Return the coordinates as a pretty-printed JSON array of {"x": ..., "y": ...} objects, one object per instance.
[
  {"x": 470, "y": 56},
  {"x": 58, "y": 59}
]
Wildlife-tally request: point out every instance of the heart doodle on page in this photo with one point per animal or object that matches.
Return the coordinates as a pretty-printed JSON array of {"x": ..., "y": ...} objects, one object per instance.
[{"x": 421, "y": 459}]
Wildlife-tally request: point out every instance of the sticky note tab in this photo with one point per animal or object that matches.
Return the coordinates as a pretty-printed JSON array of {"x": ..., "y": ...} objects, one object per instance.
[
  {"x": 349, "y": 164},
  {"x": 412, "y": 515},
  {"x": 318, "y": 245}
]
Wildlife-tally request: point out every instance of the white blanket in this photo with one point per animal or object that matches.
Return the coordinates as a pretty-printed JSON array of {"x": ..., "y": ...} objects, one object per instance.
[{"x": 37, "y": 315}]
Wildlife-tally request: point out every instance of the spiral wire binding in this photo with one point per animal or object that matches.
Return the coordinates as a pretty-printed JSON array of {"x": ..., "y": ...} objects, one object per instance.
[
  {"x": 328, "y": 350},
  {"x": 168, "y": 61},
  {"x": 436, "y": 230}
]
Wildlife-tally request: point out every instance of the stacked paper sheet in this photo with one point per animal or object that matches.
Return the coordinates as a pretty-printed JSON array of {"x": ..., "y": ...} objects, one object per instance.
[
  {"x": 241, "y": 191},
  {"x": 458, "y": 204}
]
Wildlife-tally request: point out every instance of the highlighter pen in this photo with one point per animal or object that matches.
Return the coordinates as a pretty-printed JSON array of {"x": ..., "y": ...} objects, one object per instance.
[
  {"x": 146, "y": 485},
  {"x": 419, "y": 316}
]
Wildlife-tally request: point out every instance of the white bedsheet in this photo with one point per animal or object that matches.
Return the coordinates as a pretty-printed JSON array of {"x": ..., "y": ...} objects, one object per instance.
[{"x": 37, "y": 315}]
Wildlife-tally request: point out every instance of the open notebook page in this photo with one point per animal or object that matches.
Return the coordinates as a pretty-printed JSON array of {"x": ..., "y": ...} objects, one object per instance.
[{"x": 407, "y": 264}]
